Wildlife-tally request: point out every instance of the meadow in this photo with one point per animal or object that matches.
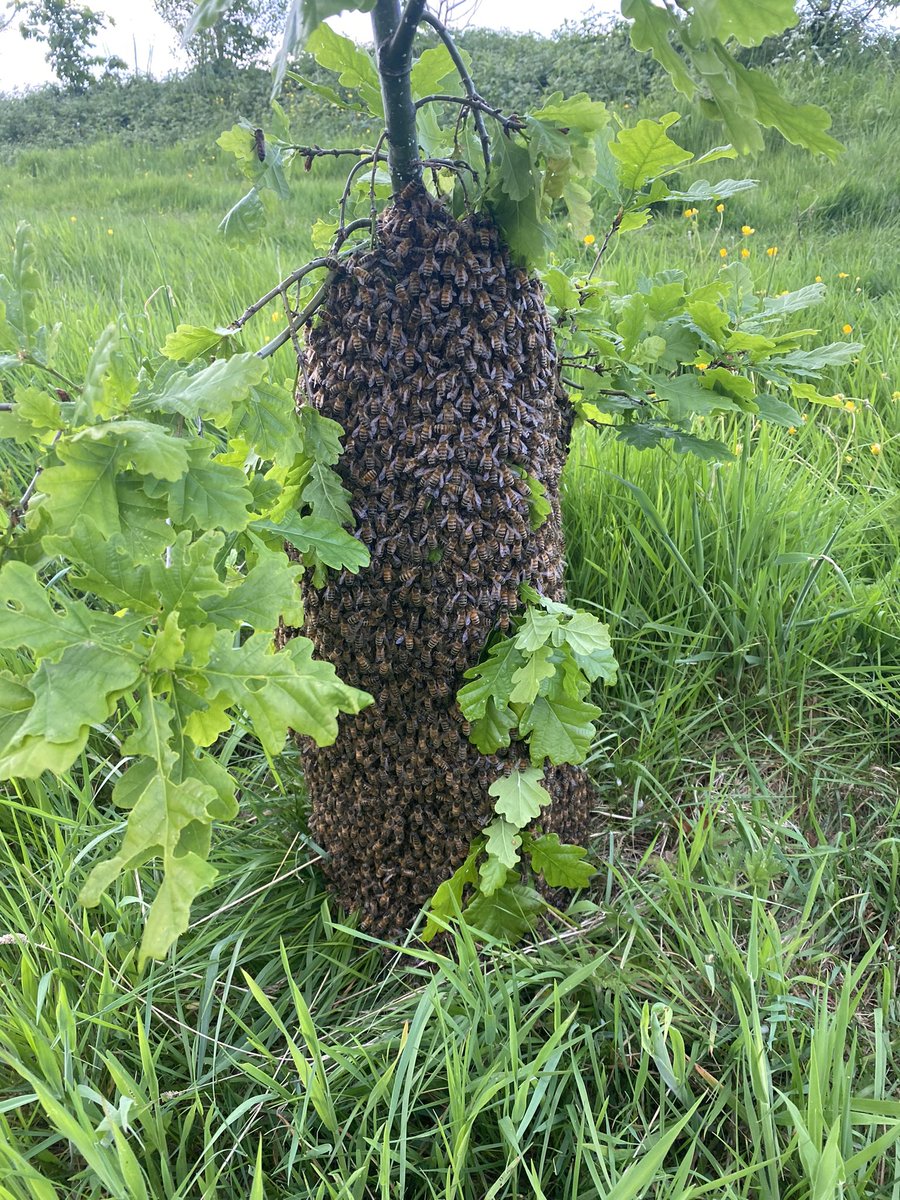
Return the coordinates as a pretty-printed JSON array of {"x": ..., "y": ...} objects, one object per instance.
[{"x": 717, "y": 1016}]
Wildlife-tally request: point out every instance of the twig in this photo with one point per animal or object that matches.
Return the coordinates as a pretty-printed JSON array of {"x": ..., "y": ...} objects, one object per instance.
[
  {"x": 342, "y": 234},
  {"x": 28, "y": 360},
  {"x": 476, "y": 104},
  {"x": 330, "y": 151},
  {"x": 468, "y": 83},
  {"x": 19, "y": 510},
  {"x": 281, "y": 288},
  {"x": 617, "y": 221},
  {"x": 300, "y": 319}
]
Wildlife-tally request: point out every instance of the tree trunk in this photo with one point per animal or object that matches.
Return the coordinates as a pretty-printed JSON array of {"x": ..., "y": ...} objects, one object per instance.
[{"x": 437, "y": 357}]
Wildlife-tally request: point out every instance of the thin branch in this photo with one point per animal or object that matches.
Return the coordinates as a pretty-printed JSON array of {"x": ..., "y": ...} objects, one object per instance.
[
  {"x": 330, "y": 151},
  {"x": 342, "y": 234},
  {"x": 467, "y": 81},
  {"x": 281, "y": 288},
  {"x": 18, "y": 512},
  {"x": 617, "y": 221},
  {"x": 28, "y": 360},
  {"x": 300, "y": 319},
  {"x": 476, "y": 104}
]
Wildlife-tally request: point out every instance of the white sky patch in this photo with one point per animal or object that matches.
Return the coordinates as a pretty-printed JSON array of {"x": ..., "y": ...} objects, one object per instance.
[{"x": 149, "y": 46}]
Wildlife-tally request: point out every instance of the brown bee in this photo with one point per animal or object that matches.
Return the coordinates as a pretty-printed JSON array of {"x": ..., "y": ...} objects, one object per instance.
[
  {"x": 429, "y": 265},
  {"x": 397, "y": 337},
  {"x": 369, "y": 477},
  {"x": 356, "y": 343},
  {"x": 259, "y": 144}
]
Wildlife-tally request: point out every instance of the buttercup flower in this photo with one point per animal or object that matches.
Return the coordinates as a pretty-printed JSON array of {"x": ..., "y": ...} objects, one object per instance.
[
  {"x": 701, "y": 366},
  {"x": 875, "y": 448},
  {"x": 723, "y": 253},
  {"x": 843, "y": 275},
  {"x": 745, "y": 253},
  {"x": 792, "y": 429},
  {"x": 589, "y": 239},
  {"x": 746, "y": 230},
  {"x": 818, "y": 279},
  {"x": 846, "y": 329},
  {"x": 850, "y": 406},
  {"x": 110, "y": 232},
  {"x": 720, "y": 208},
  {"x": 772, "y": 251}
]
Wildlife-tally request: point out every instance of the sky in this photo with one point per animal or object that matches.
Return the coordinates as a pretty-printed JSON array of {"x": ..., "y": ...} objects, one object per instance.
[{"x": 147, "y": 44}]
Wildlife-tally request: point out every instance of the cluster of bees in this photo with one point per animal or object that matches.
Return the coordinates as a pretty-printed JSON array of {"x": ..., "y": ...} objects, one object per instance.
[{"x": 436, "y": 355}]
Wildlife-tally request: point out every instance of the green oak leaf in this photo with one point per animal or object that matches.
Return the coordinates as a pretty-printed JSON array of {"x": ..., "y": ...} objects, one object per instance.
[
  {"x": 559, "y": 727},
  {"x": 29, "y": 621},
  {"x": 520, "y": 796},
  {"x": 150, "y": 449},
  {"x": 187, "y": 575},
  {"x": 327, "y": 541},
  {"x": 269, "y": 590},
  {"x": 209, "y": 394},
  {"x": 281, "y": 691},
  {"x": 447, "y": 900},
  {"x": 170, "y": 820},
  {"x": 503, "y": 841},
  {"x": 561, "y": 864},
  {"x": 491, "y": 679},
  {"x": 83, "y": 485},
  {"x": 589, "y": 641},
  {"x": 353, "y": 65},
  {"x": 492, "y": 875},
  {"x": 320, "y": 435},
  {"x": 194, "y": 341},
  {"x": 506, "y": 915},
  {"x": 528, "y": 678},
  {"x": 491, "y": 732},
  {"x": 646, "y": 151},
  {"x": 245, "y": 220},
  {"x": 326, "y": 495},
  {"x": 267, "y": 422},
  {"x": 105, "y": 566},
  {"x": 536, "y": 630},
  {"x": 210, "y": 495},
  {"x": 154, "y": 732}
]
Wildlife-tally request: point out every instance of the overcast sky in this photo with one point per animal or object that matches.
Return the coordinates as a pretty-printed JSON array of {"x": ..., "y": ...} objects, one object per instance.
[{"x": 144, "y": 41}]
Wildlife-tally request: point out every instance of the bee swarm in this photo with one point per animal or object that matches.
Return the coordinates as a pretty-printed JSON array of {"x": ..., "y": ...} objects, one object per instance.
[{"x": 435, "y": 353}]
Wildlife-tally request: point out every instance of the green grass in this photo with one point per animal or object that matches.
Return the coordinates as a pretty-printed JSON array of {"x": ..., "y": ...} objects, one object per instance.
[{"x": 719, "y": 1018}]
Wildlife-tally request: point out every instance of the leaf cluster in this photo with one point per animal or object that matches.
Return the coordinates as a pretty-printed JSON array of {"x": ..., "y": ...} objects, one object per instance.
[{"x": 143, "y": 576}]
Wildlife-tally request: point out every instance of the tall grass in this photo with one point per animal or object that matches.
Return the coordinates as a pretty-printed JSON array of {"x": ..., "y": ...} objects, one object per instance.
[{"x": 719, "y": 1016}]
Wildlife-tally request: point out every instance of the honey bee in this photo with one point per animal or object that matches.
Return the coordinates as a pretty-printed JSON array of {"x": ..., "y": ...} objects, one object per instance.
[
  {"x": 397, "y": 338},
  {"x": 356, "y": 343},
  {"x": 259, "y": 144},
  {"x": 369, "y": 477},
  {"x": 429, "y": 265}
]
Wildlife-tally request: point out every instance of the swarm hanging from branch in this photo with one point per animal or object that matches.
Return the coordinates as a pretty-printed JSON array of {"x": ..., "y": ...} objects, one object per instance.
[{"x": 435, "y": 354}]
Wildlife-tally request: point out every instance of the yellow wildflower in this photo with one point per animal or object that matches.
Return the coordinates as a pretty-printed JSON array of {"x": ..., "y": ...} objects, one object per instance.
[
  {"x": 110, "y": 232},
  {"x": 274, "y": 316},
  {"x": 848, "y": 458},
  {"x": 818, "y": 279},
  {"x": 589, "y": 239},
  {"x": 723, "y": 253},
  {"x": 843, "y": 275},
  {"x": 73, "y": 218},
  {"x": 690, "y": 212},
  {"x": 720, "y": 208},
  {"x": 701, "y": 366},
  {"x": 792, "y": 429},
  {"x": 875, "y": 448},
  {"x": 846, "y": 329},
  {"x": 745, "y": 253},
  {"x": 772, "y": 251},
  {"x": 746, "y": 230},
  {"x": 850, "y": 406},
  {"x": 895, "y": 395}
]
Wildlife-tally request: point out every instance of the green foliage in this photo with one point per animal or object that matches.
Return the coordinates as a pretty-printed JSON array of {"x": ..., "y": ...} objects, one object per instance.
[
  {"x": 536, "y": 680},
  {"x": 692, "y": 45},
  {"x": 68, "y": 31},
  {"x": 532, "y": 684},
  {"x": 153, "y": 498}
]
